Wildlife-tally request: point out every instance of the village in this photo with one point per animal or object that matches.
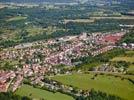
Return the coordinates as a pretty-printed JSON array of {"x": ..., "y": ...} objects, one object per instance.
[{"x": 40, "y": 58}]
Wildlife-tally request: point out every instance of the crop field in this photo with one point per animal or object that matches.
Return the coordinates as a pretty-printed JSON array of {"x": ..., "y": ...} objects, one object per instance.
[
  {"x": 127, "y": 59},
  {"x": 131, "y": 69},
  {"x": 79, "y": 20},
  {"x": 122, "y": 17},
  {"x": 17, "y": 18},
  {"x": 34, "y": 30},
  {"x": 130, "y": 53},
  {"x": 109, "y": 84},
  {"x": 38, "y": 94}
]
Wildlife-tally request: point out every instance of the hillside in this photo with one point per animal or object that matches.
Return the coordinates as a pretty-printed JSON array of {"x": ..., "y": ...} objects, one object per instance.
[{"x": 38, "y": 1}]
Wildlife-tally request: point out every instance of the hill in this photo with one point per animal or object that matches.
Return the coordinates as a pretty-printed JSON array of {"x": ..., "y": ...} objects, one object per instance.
[{"x": 38, "y": 1}]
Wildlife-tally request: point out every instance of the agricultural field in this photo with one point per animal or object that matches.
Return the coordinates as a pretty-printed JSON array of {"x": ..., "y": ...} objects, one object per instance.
[
  {"x": 130, "y": 53},
  {"x": 79, "y": 20},
  {"x": 34, "y": 30},
  {"x": 89, "y": 66},
  {"x": 16, "y": 18},
  {"x": 127, "y": 59},
  {"x": 93, "y": 19},
  {"x": 120, "y": 17},
  {"x": 109, "y": 84},
  {"x": 130, "y": 70},
  {"x": 38, "y": 94}
]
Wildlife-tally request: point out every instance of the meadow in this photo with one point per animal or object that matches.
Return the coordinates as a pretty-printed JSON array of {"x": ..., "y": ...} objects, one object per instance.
[
  {"x": 109, "y": 84},
  {"x": 16, "y": 18},
  {"x": 79, "y": 20},
  {"x": 120, "y": 17},
  {"x": 130, "y": 70},
  {"x": 38, "y": 94},
  {"x": 127, "y": 59}
]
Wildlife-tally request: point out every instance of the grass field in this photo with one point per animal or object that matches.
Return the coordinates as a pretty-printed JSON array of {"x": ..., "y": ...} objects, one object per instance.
[
  {"x": 131, "y": 69},
  {"x": 130, "y": 53},
  {"x": 90, "y": 65},
  {"x": 122, "y": 17},
  {"x": 79, "y": 20},
  {"x": 38, "y": 30},
  {"x": 38, "y": 94},
  {"x": 34, "y": 30},
  {"x": 16, "y": 18},
  {"x": 127, "y": 59},
  {"x": 92, "y": 19},
  {"x": 109, "y": 84}
]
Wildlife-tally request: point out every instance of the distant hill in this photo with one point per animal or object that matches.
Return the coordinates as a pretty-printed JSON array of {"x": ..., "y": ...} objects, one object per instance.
[
  {"x": 39, "y": 1},
  {"x": 127, "y": 2}
]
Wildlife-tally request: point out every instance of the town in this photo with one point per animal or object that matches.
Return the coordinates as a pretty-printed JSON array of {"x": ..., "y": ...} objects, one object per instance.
[
  {"x": 66, "y": 49},
  {"x": 40, "y": 58}
]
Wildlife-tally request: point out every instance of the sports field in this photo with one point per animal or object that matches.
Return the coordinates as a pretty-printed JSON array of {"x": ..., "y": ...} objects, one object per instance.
[
  {"x": 109, "y": 84},
  {"x": 39, "y": 94}
]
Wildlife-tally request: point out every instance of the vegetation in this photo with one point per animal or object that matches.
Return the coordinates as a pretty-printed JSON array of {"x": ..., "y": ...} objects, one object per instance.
[
  {"x": 99, "y": 96},
  {"x": 129, "y": 37},
  {"x": 89, "y": 62},
  {"x": 11, "y": 96},
  {"x": 16, "y": 18},
  {"x": 8, "y": 64},
  {"x": 38, "y": 22},
  {"x": 126, "y": 59},
  {"x": 31, "y": 92},
  {"x": 130, "y": 70},
  {"x": 108, "y": 84}
]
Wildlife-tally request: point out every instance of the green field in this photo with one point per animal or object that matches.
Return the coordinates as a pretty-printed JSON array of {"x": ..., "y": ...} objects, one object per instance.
[
  {"x": 120, "y": 17},
  {"x": 131, "y": 69},
  {"x": 38, "y": 94},
  {"x": 79, "y": 20},
  {"x": 130, "y": 53},
  {"x": 127, "y": 59},
  {"x": 16, "y": 18},
  {"x": 109, "y": 84}
]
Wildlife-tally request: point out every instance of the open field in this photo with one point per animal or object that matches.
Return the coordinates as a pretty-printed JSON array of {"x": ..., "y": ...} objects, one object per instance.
[
  {"x": 90, "y": 65},
  {"x": 34, "y": 30},
  {"x": 109, "y": 84},
  {"x": 79, "y": 20},
  {"x": 2, "y": 6},
  {"x": 16, "y": 18},
  {"x": 131, "y": 69},
  {"x": 38, "y": 30},
  {"x": 130, "y": 53},
  {"x": 122, "y": 17},
  {"x": 38, "y": 94},
  {"x": 127, "y": 59},
  {"x": 92, "y": 19},
  {"x": 125, "y": 76}
]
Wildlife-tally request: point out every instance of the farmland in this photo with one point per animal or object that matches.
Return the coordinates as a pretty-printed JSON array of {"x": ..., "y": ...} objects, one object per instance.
[
  {"x": 38, "y": 94},
  {"x": 16, "y": 18},
  {"x": 120, "y": 17},
  {"x": 108, "y": 84},
  {"x": 127, "y": 59},
  {"x": 79, "y": 20},
  {"x": 131, "y": 69},
  {"x": 81, "y": 51}
]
